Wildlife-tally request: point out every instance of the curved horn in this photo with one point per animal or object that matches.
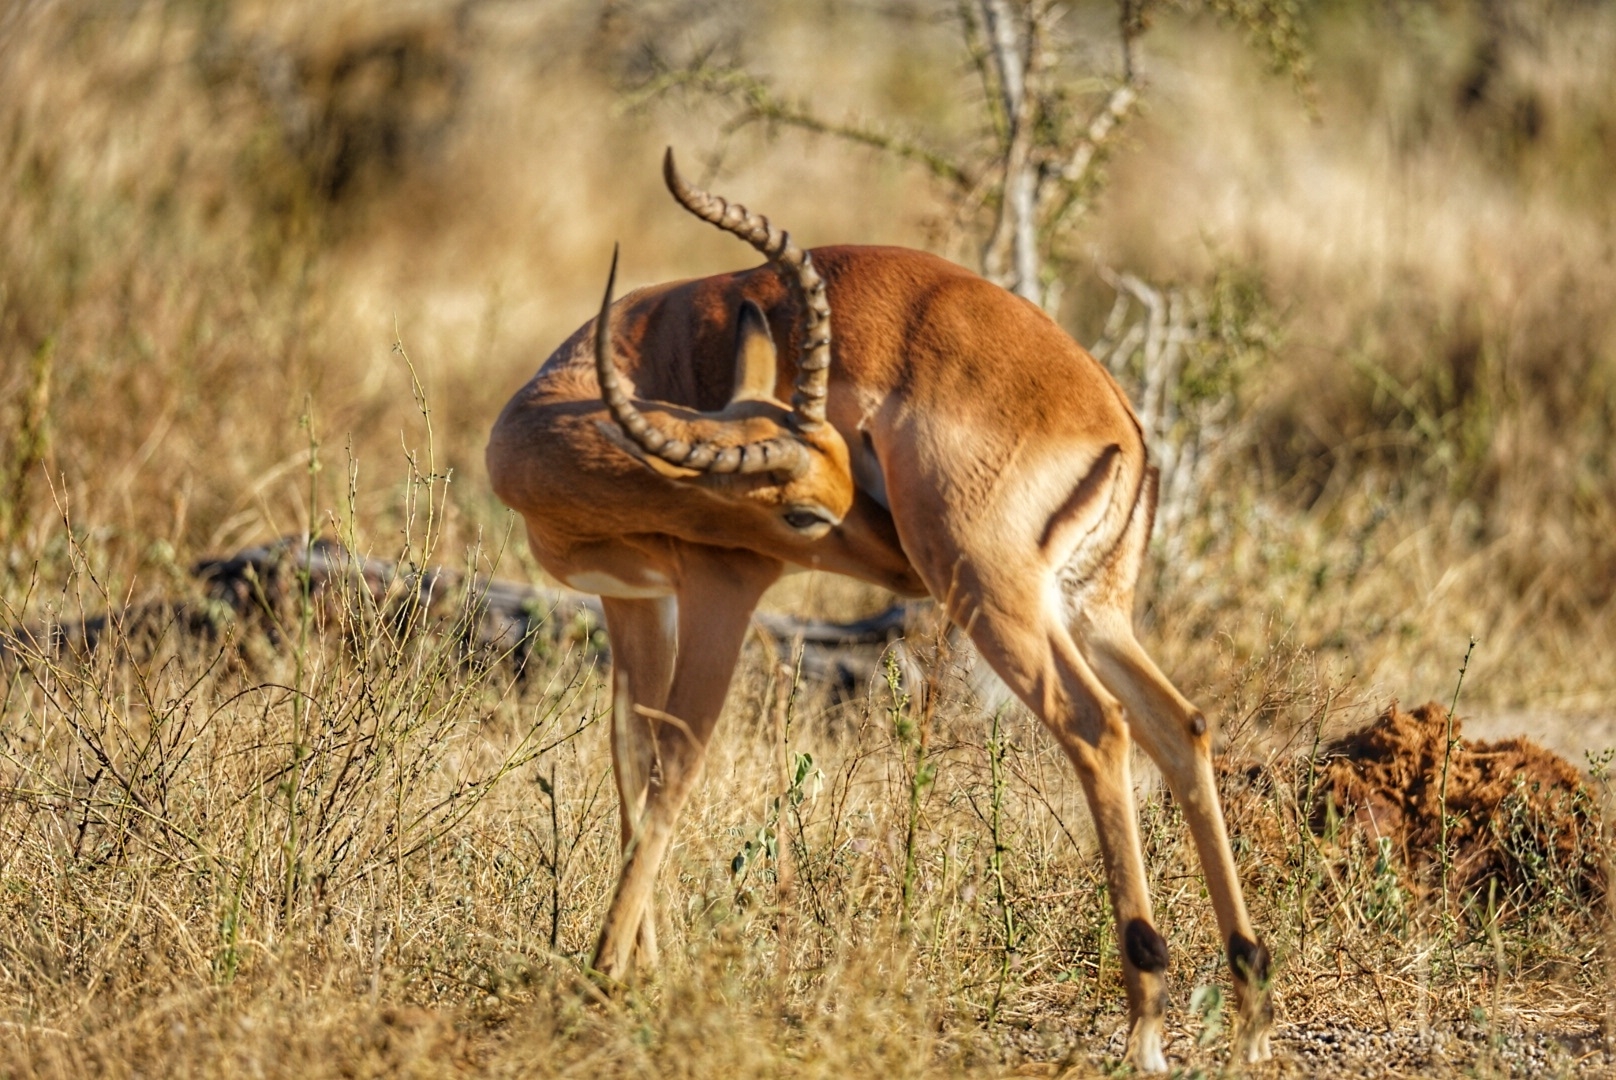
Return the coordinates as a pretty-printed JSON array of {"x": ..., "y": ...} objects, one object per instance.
[
  {"x": 813, "y": 368},
  {"x": 771, "y": 455}
]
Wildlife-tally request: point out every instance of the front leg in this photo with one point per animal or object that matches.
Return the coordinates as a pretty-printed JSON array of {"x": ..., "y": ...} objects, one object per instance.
[
  {"x": 717, "y": 591},
  {"x": 644, "y": 635}
]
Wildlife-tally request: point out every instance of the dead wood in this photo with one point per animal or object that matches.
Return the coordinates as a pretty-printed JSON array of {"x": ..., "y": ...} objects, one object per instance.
[{"x": 259, "y": 591}]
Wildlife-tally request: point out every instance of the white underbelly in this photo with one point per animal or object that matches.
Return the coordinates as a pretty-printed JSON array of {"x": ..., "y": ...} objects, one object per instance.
[{"x": 649, "y": 586}]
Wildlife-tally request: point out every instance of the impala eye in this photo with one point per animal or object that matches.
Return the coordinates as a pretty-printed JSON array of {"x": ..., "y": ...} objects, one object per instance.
[{"x": 804, "y": 520}]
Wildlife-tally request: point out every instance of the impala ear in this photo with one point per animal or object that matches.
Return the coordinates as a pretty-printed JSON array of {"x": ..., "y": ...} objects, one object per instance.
[{"x": 754, "y": 356}]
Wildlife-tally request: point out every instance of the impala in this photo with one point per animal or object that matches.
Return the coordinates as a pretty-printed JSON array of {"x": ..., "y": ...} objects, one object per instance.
[{"x": 951, "y": 440}]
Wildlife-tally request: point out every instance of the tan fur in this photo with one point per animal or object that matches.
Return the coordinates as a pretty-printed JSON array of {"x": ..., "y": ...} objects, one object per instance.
[{"x": 1019, "y": 495}]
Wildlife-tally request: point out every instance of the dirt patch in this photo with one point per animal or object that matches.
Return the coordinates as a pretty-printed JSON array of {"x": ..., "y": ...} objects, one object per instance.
[{"x": 1518, "y": 814}]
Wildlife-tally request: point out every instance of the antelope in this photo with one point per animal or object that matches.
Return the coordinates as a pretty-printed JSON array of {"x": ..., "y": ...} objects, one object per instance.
[{"x": 949, "y": 440}]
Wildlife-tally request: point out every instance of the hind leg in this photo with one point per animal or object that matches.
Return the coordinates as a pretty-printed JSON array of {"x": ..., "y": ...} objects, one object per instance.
[
  {"x": 1176, "y": 736},
  {"x": 1042, "y": 665}
]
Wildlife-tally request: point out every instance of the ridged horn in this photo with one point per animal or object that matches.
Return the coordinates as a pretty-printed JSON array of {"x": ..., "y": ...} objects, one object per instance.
[
  {"x": 782, "y": 455},
  {"x": 813, "y": 366}
]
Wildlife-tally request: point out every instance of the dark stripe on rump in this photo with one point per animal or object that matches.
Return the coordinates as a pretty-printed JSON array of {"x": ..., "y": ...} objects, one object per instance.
[
  {"x": 1143, "y": 492},
  {"x": 1153, "y": 493},
  {"x": 1087, "y": 490}
]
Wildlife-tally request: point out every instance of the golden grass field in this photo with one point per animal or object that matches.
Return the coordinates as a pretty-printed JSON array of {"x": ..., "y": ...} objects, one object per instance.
[{"x": 271, "y": 269}]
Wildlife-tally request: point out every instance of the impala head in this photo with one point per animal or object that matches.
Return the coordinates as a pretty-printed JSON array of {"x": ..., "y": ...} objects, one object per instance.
[{"x": 784, "y": 463}]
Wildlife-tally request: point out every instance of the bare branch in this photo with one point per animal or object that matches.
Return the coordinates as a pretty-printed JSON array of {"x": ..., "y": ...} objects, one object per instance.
[
  {"x": 759, "y": 103},
  {"x": 1021, "y": 186},
  {"x": 1064, "y": 177},
  {"x": 1117, "y": 107},
  {"x": 1130, "y": 25},
  {"x": 1013, "y": 53},
  {"x": 1003, "y": 40},
  {"x": 978, "y": 51},
  {"x": 779, "y": 112}
]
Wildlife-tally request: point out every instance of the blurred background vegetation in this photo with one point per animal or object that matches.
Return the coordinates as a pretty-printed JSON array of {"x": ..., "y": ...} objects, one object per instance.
[{"x": 1378, "y": 233}]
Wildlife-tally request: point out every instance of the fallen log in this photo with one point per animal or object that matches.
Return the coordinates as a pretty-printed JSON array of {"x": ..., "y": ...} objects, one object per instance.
[{"x": 260, "y": 589}]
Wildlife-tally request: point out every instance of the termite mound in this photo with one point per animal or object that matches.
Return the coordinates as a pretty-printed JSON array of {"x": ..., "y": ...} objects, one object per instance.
[{"x": 1523, "y": 823}]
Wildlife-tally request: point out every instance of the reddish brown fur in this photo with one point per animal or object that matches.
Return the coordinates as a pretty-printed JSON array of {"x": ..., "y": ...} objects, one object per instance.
[
  {"x": 1511, "y": 806},
  {"x": 973, "y": 452}
]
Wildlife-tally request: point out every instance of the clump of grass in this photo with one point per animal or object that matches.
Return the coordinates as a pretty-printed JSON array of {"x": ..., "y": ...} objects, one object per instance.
[{"x": 26, "y": 452}]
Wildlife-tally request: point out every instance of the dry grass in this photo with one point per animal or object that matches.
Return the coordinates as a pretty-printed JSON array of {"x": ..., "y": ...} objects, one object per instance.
[
  {"x": 351, "y": 848},
  {"x": 366, "y": 852},
  {"x": 1426, "y": 456}
]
